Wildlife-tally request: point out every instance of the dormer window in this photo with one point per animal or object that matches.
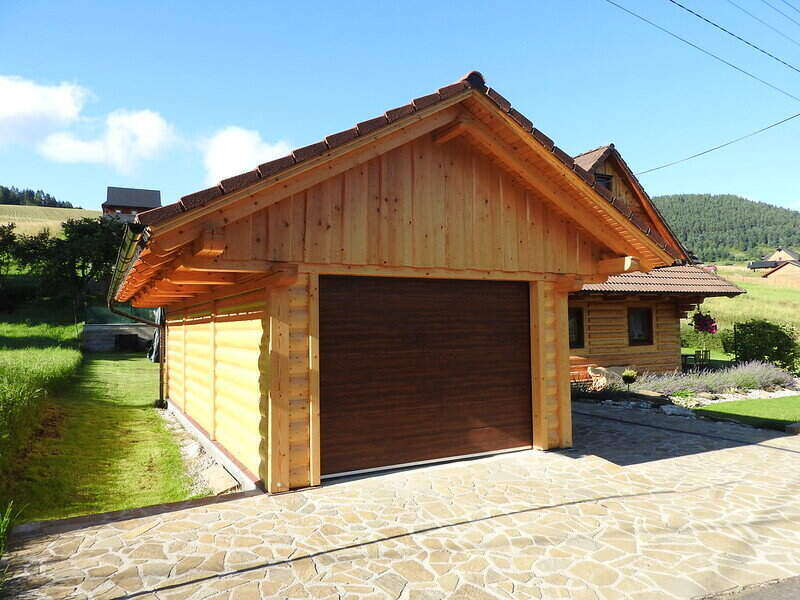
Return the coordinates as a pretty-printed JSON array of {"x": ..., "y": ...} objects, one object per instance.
[{"x": 604, "y": 179}]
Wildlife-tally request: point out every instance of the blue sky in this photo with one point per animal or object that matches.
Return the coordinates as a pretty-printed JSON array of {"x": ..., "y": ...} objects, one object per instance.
[{"x": 169, "y": 95}]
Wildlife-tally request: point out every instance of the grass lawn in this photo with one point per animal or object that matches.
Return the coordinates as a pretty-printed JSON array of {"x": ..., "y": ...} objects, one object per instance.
[
  {"x": 33, "y": 219},
  {"x": 762, "y": 300},
  {"x": 772, "y": 413},
  {"x": 101, "y": 446}
]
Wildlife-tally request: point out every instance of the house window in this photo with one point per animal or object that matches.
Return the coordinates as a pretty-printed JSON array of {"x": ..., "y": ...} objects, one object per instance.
[
  {"x": 640, "y": 326},
  {"x": 604, "y": 179},
  {"x": 576, "y": 328}
]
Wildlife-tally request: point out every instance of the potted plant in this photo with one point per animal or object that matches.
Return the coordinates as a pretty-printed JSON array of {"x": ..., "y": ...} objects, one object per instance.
[
  {"x": 705, "y": 324},
  {"x": 628, "y": 377}
]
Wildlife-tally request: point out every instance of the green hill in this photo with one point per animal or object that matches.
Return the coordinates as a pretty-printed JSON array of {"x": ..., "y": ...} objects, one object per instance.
[
  {"x": 33, "y": 219},
  {"x": 724, "y": 227}
]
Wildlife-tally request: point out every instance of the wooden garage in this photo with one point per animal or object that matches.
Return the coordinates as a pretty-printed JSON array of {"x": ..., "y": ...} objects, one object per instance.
[{"x": 393, "y": 294}]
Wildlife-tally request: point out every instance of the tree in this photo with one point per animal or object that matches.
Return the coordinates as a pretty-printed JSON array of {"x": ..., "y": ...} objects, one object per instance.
[
  {"x": 78, "y": 264},
  {"x": 762, "y": 340},
  {"x": 727, "y": 227},
  {"x": 8, "y": 242}
]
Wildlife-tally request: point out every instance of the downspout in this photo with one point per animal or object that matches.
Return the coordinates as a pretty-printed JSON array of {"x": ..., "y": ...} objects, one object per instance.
[{"x": 133, "y": 238}]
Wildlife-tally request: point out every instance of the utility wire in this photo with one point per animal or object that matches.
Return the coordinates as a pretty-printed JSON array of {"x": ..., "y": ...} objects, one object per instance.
[
  {"x": 722, "y": 60},
  {"x": 739, "y": 139},
  {"x": 704, "y": 51},
  {"x": 764, "y": 23},
  {"x": 730, "y": 33},
  {"x": 792, "y": 6},
  {"x": 776, "y": 9}
]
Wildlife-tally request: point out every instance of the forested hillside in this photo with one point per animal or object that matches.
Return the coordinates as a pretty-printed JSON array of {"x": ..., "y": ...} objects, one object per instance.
[
  {"x": 727, "y": 227},
  {"x": 16, "y": 196}
]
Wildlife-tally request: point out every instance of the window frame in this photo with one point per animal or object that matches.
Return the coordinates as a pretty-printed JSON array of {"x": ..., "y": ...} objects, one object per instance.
[
  {"x": 651, "y": 338},
  {"x": 581, "y": 327},
  {"x": 605, "y": 179}
]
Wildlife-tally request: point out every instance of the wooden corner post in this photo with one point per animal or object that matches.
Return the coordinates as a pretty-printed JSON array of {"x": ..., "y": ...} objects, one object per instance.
[
  {"x": 313, "y": 384},
  {"x": 550, "y": 392},
  {"x": 277, "y": 479}
]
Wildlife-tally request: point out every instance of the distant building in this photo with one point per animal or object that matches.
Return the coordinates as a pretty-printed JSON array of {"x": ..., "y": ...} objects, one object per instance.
[
  {"x": 126, "y": 203},
  {"x": 775, "y": 259},
  {"x": 786, "y": 273}
]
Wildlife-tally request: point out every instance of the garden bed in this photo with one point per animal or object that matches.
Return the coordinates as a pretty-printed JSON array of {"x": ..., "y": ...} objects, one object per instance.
[{"x": 755, "y": 394}]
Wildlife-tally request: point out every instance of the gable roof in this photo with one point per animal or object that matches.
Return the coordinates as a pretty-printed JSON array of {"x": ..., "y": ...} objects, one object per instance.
[
  {"x": 473, "y": 80},
  {"x": 794, "y": 255},
  {"x": 132, "y": 197},
  {"x": 795, "y": 263},
  {"x": 763, "y": 264},
  {"x": 164, "y": 231},
  {"x": 594, "y": 159},
  {"x": 675, "y": 280}
]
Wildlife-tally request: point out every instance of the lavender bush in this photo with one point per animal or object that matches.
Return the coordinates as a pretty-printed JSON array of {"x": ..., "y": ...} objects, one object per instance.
[{"x": 753, "y": 375}]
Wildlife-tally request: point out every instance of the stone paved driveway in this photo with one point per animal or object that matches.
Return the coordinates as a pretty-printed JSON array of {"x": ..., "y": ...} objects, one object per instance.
[{"x": 634, "y": 511}]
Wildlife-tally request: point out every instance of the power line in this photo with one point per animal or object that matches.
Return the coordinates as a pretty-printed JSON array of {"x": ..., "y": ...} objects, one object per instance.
[
  {"x": 704, "y": 51},
  {"x": 792, "y": 6},
  {"x": 730, "y": 33},
  {"x": 739, "y": 139},
  {"x": 776, "y": 9},
  {"x": 764, "y": 23},
  {"x": 722, "y": 60}
]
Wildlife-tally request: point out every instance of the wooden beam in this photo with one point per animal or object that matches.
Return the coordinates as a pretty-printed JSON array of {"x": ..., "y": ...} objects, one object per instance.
[
  {"x": 286, "y": 276},
  {"x": 450, "y": 133},
  {"x": 570, "y": 284},
  {"x": 226, "y": 265},
  {"x": 200, "y": 278},
  {"x": 615, "y": 266},
  {"x": 313, "y": 383},
  {"x": 210, "y": 243},
  {"x": 432, "y": 273}
]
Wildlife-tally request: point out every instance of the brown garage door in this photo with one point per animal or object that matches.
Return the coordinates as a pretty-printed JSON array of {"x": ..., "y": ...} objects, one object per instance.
[{"x": 421, "y": 369}]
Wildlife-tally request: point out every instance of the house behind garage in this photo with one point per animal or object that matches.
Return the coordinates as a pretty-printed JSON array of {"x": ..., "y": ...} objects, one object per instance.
[
  {"x": 633, "y": 319},
  {"x": 396, "y": 293},
  {"x": 126, "y": 203}
]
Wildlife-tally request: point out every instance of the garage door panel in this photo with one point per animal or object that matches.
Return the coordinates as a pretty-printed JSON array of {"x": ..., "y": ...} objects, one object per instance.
[{"x": 419, "y": 369}]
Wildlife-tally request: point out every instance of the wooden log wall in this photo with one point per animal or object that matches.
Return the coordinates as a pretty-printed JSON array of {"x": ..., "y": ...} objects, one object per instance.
[
  {"x": 213, "y": 354},
  {"x": 606, "y": 337}
]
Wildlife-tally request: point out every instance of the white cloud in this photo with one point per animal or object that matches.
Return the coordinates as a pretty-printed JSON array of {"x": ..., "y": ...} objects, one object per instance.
[
  {"x": 233, "y": 150},
  {"x": 29, "y": 110},
  {"x": 128, "y": 138}
]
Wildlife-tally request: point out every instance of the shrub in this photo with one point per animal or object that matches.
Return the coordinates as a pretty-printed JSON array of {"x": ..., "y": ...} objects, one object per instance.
[
  {"x": 725, "y": 337},
  {"x": 762, "y": 340},
  {"x": 752, "y": 375}
]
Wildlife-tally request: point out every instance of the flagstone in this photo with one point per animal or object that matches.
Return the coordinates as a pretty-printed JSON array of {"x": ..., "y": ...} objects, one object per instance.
[{"x": 524, "y": 525}]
